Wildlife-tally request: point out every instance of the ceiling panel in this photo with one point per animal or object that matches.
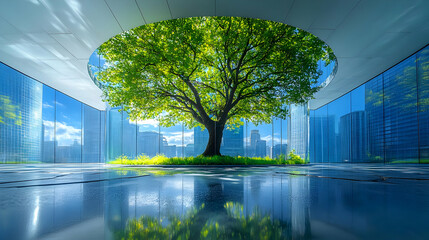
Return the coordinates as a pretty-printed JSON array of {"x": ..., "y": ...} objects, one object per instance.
[
  {"x": 91, "y": 22},
  {"x": 154, "y": 10},
  {"x": 30, "y": 16},
  {"x": 303, "y": 13},
  {"x": 127, "y": 13},
  {"x": 331, "y": 13},
  {"x": 27, "y": 49},
  {"x": 322, "y": 34},
  {"x": 7, "y": 28},
  {"x": 353, "y": 35},
  {"x": 192, "y": 8},
  {"x": 41, "y": 37},
  {"x": 72, "y": 45},
  {"x": 274, "y": 10},
  {"x": 59, "y": 51},
  {"x": 100, "y": 18}
]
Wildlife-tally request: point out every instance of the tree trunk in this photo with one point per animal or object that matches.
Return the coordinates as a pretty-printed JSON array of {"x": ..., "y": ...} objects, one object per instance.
[{"x": 215, "y": 130}]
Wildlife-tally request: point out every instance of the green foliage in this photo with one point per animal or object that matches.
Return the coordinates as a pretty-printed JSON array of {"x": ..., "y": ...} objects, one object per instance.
[
  {"x": 234, "y": 224},
  {"x": 20, "y": 162},
  {"x": 204, "y": 69},
  {"x": 151, "y": 228},
  {"x": 9, "y": 113},
  {"x": 214, "y": 160},
  {"x": 295, "y": 158},
  {"x": 242, "y": 226}
]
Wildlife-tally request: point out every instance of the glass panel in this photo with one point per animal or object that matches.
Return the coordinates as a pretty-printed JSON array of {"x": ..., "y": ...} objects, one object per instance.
[
  {"x": 201, "y": 138},
  {"x": 232, "y": 142},
  {"x": 312, "y": 138},
  {"x": 115, "y": 134},
  {"x": 374, "y": 119},
  {"x": 172, "y": 141},
  {"x": 298, "y": 136},
  {"x": 48, "y": 127},
  {"x": 129, "y": 136},
  {"x": 359, "y": 130},
  {"x": 339, "y": 129},
  {"x": 148, "y": 139},
  {"x": 20, "y": 117},
  {"x": 284, "y": 140},
  {"x": 423, "y": 93},
  {"x": 400, "y": 112},
  {"x": 103, "y": 136},
  {"x": 91, "y": 135},
  {"x": 188, "y": 143},
  {"x": 280, "y": 145},
  {"x": 259, "y": 138},
  {"x": 321, "y": 135},
  {"x": 68, "y": 129}
]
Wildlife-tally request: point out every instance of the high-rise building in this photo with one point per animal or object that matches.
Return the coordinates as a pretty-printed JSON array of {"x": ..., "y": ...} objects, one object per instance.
[
  {"x": 232, "y": 142},
  {"x": 148, "y": 143},
  {"x": 254, "y": 137},
  {"x": 359, "y": 144}
]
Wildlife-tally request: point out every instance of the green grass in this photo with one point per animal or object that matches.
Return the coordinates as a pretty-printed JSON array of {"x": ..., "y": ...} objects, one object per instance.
[
  {"x": 215, "y": 160},
  {"x": 19, "y": 162}
]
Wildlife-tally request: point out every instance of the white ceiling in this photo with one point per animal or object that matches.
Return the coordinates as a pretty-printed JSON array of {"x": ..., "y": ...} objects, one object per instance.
[{"x": 51, "y": 40}]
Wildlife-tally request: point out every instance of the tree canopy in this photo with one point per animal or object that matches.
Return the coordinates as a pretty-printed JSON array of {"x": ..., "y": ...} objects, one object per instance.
[{"x": 211, "y": 71}]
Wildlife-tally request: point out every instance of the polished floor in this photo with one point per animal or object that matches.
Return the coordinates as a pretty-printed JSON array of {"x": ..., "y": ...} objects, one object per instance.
[{"x": 96, "y": 201}]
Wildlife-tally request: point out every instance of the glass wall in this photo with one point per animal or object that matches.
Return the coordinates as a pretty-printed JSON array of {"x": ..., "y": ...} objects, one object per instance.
[
  {"x": 172, "y": 141},
  {"x": 386, "y": 120},
  {"x": 423, "y": 103},
  {"x": 91, "y": 143},
  {"x": 129, "y": 136},
  {"x": 48, "y": 125},
  {"x": 233, "y": 142},
  {"x": 280, "y": 136},
  {"x": 201, "y": 138},
  {"x": 320, "y": 135},
  {"x": 375, "y": 119},
  {"x": 312, "y": 142},
  {"x": 20, "y": 117},
  {"x": 188, "y": 142},
  {"x": 40, "y": 124},
  {"x": 298, "y": 130},
  {"x": 148, "y": 138},
  {"x": 400, "y": 112},
  {"x": 68, "y": 129},
  {"x": 178, "y": 141},
  {"x": 359, "y": 129},
  {"x": 339, "y": 129},
  {"x": 259, "y": 140},
  {"x": 114, "y": 137}
]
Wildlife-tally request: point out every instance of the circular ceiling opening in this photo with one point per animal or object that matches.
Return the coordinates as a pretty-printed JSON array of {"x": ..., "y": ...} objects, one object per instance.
[
  {"x": 212, "y": 72},
  {"x": 327, "y": 65}
]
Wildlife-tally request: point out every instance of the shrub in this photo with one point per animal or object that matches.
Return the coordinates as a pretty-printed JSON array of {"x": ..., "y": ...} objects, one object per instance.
[{"x": 292, "y": 158}]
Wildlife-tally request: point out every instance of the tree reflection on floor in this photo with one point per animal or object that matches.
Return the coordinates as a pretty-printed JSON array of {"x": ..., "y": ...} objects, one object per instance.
[{"x": 203, "y": 223}]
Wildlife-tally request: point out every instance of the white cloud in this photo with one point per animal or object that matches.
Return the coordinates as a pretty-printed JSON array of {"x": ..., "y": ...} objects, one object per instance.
[
  {"x": 147, "y": 123},
  {"x": 175, "y": 138},
  {"x": 49, "y": 130},
  {"x": 65, "y": 134},
  {"x": 45, "y": 105}
]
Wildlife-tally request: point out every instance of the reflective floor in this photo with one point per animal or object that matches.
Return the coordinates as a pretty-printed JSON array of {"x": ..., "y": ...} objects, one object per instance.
[{"x": 95, "y": 201}]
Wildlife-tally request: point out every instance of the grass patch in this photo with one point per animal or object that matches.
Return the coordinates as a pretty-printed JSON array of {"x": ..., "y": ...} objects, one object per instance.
[
  {"x": 19, "y": 162},
  {"x": 292, "y": 158}
]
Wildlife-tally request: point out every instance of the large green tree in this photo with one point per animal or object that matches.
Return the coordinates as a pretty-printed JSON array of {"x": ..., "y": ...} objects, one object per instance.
[{"x": 211, "y": 71}]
